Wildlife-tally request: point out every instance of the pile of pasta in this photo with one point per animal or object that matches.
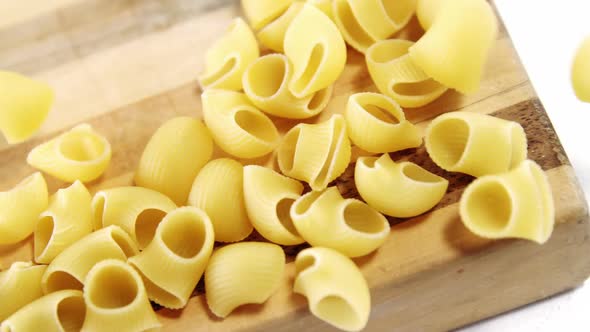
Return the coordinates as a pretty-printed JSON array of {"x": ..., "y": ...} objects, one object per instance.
[{"x": 100, "y": 259}]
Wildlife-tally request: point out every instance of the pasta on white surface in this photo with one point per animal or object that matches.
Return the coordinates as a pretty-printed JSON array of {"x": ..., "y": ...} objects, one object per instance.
[
  {"x": 20, "y": 208},
  {"x": 19, "y": 286},
  {"x": 137, "y": 210},
  {"x": 78, "y": 154},
  {"x": 316, "y": 49},
  {"x": 269, "y": 197},
  {"x": 475, "y": 144},
  {"x": 60, "y": 311},
  {"x": 173, "y": 157},
  {"x": 67, "y": 219},
  {"x": 396, "y": 75},
  {"x": 376, "y": 123},
  {"x": 237, "y": 126},
  {"x": 181, "y": 248},
  {"x": 227, "y": 59},
  {"x": 301, "y": 157},
  {"x": 326, "y": 219},
  {"x": 266, "y": 85},
  {"x": 514, "y": 204},
  {"x": 218, "y": 190},
  {"x": 398, "y": 189},
  {"x": 241, "y": 273},
  {"x": 336, "y": 290},
  {"x": 24, "y": 105},
  {"x": 116, "y": 299},
  {"x": 69, "y": 269}
]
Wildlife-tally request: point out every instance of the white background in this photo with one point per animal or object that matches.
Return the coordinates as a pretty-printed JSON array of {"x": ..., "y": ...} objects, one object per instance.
[{"x": 546, "y": 34}]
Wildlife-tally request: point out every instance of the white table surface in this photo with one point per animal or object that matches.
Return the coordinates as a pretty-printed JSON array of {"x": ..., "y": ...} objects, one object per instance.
[{"x": 546, "y": 34}]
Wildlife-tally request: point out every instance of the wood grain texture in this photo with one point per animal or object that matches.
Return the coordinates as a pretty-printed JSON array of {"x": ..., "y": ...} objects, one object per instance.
[{"x": 127, "y": 66}]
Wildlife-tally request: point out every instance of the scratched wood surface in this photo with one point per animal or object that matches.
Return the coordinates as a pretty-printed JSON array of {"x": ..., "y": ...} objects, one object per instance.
[{"x": 127, "y": 66}]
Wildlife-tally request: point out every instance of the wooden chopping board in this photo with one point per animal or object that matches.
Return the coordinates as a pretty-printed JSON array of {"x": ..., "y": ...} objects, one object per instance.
[{"x": 127, "y": 66}]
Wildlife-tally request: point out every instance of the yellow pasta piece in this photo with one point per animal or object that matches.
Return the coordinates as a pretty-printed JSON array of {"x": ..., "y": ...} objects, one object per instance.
[
  {"x": 266, "y": 85},
  {"x": 173, "y": 157},
  {"x": 116, "y": 299},
  {"x": 67, "y": 219},
  {"x": 336, "y": 290},
  {"x": 20, "y": 208},
  {"x": 475, "y": 144},
  {"x": 78, "y": 154},
  {"x": 62, "y": 311},
  {"x": 272, "y": 35},
  {"x": 326, "y": 219},
  {"x": 315, "y": 153},
  {"x": 427, "y": 10},
  {"x": 218, "y": 190},
  {"x": 19, "y": 286},
  {"x": 324, "y": 5},
  {"x": 227, "y": 59},
  {"x": 69, "y": 269},
  {"x": 261, "y": 12},
  {"x": 269, "y": 196},
  {"x": 241, "y": 273},
  {"x": 316, "y": 48},
  {"x": 181, "y": 248},
  {"x": 376, "y": 123},
  {"x": 24, "y": 105},
  {"x": 397, "y": 189},
  {"x": 352, "y": 31},
  {"x": 396, "y": 75},
  {"x": 455, "y": 48},
  {"x": 137, "y": 210},
  {"x": 238, "y": 127},
  {"x": 581, "y": 71},
  {"x": 515, "y": 204}
]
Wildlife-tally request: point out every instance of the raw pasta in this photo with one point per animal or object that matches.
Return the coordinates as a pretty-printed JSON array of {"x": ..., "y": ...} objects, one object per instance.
[
  {"x": 396, "y": 75},
  {"x": 24, "y": 105},
  {"x": 301, "y": 157},
  {"x": 237, "y": 126},
  {"x": 137, "y": 210},
  {"x": 427, "y": 10},
  {"x": 173, "y": 157},
  {"x": 181, "y": 248},
  {"x": 475, "y": 144},
  {"x": 455, "y": 48},
  {"x": 336, "y": 290},
  {"x": 581, "y": 71},
  {"x": 241, "y": 273},
  {"x": 266, "y": 85},
  {"x": 261, "y": 12},
  {"x": 69, "y": 269},
  {"x": 324, "y": 5},
  {"x": 515, "y": 204},
  {"x": 59, "y": 311},
  {"x": 78, "y": 154},
  {"x": 218, "y": 190},
  {"x": 269, "y": 196},
  {"x": 228, "y": 58},
  {"x": 326, "y": 219},
  {"x": 316, "y": 49},
  {"x": 376, "y": 123},
  {"x": 116, "y": 299},
  {"x": 352, "y": 31},
  {"x": 20, "y": 208},
  {"x": 67, "y": 219},
  {"x": 272, "y": 35},
  {"x": 19, "y": 286},
  {"x": 397, "y": 189}
]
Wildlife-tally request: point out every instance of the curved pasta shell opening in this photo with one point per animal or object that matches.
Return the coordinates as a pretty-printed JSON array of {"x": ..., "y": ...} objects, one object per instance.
[
  {"x": 98, "y": 207},
  {"x": 283, "y": 210},
  {"x": 314, "y": 61},
  {"x": 287, "y": 150},
  {"x": 351, "y": 29},
  {"x": 419, "y": 174},
  {"x": 218, "y": 74},
  {"x": 267, "y": 75},
  {"x": 415, "y": 89},
  {"x": 364, "y": 219},
  {"x": 447, "y": 141},
  {"x": 488, "y": 207},
  {"x": 123, "y": 241},
  {"x": 83, "y": 145},
  {"x": 319, "y": 100},
  {"x": 303, "y": 204},
  {"x": 160, "y": 295},
  {"x": 337, "y": 311},
  {"x": 304, "y": 263},
  {"x": 338, "y": 140},
  {"x": 387, "y": 51},
  {"x": 71, "y": 312},
  {"x": 43, "y": 234},
  {"x": 380, "y": 109},
  {"x": 273, "y": 34},
  {"x": 58, "y": 280},
  {"x": 400, "y": 12},
  {"x": 183, "y": 236},
  {"x": 368, "y": 162},
  {"x": 111, "y": 287},
  {"x": 146, "y": 224},
  {"x": 257, "y": 125}
]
